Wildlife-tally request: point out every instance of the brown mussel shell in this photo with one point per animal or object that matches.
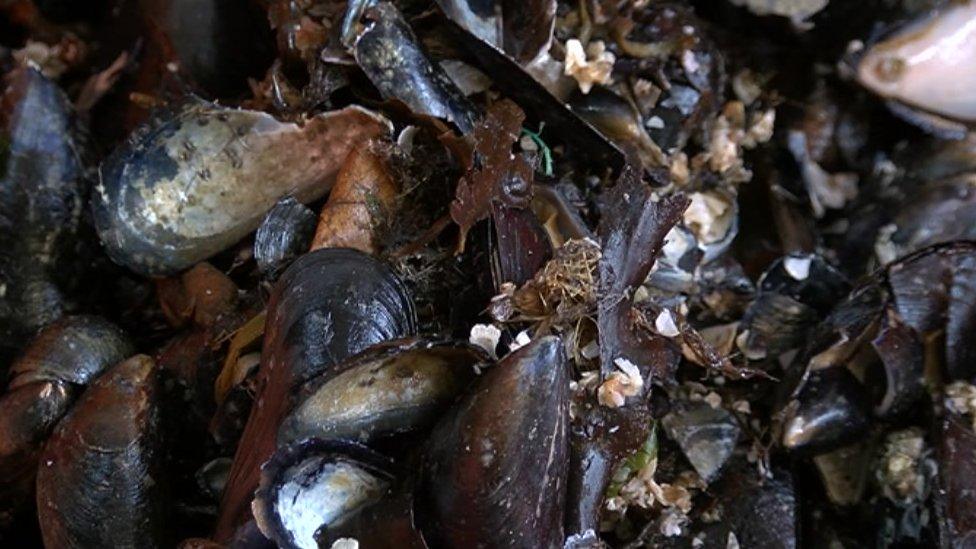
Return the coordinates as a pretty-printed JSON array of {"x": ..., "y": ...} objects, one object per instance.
[
  {"x": 63, "y": 358},
  {"x": 99, "y": 481},
  {"x": 495, "y": 470}
]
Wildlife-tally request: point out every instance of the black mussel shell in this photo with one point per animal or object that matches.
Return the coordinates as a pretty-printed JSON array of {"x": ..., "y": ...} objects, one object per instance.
[
  {"x": 390, "y": 388},
  {"x": 327, "y": 306},
  {"x": 314, "y": 484},
  {"x": 830, "y": 410},
  {"x": 99, "y": 482},
  {"x": 387, "y": 524},
  {"x": 74, "y": 349},
  {"x": 495, "y": 472},
  {"x": 795, "y": 292},
  {"x": 934, "y": 290},
  {"x": 408, "y": 76},
  {"x": 285, "y": 234},
  {"x": 42, "y": 188},
  {"x": 63, "y": 358},
  {"x": 762, "y": 512}
]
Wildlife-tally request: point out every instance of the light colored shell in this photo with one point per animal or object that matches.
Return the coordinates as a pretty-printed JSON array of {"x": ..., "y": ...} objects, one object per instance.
[
  {"x": 192, "y": 184},
  {"x": 929, "y": 65}
]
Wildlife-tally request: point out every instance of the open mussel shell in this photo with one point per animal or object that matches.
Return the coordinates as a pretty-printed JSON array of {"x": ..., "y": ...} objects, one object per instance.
[
  {"x": 926, "y": 69},
  {"x": 327, "y": 306},
  {"x": 387, "y": 524},
  {"x": 314, "y": 484},
  {"x": 99, "y": 482},
  {"x": 199, "y": 177},
  {"x": 494, "y": 474},
  {"x": 390, "y": 388}
]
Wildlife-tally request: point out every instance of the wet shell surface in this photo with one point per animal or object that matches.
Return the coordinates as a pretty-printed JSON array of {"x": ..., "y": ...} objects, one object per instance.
[
  {"x": 98, "y": 483},
  {"x": 928, "y": 64},
  {"x": 200, "y": 177},
  {"x": 391, "y": 389},
  {"x": 330, "y": 304},
  {"x": 315, "y": 484},
  {"x": 495, "y": 473}
]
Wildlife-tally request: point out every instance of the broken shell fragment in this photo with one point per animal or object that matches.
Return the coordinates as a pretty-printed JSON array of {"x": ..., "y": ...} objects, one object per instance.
[
  {"x": 314, "y": 485},
  {"x": 199, "y": 177},
  {"x": 706, "y": 435}
]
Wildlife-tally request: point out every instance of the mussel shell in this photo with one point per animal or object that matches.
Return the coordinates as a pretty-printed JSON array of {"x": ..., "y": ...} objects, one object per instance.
[
  {"x": 761, "y": 511},
  {"x": 387, "y": 524},
  {"x": 902, "y": 356},
  {"x": 27, "y": 415},
  {"x": 940, "y": 211},
  {"x": 75, "y": 349},
  {"x": 314, "y": 484},
  {"x": 389, "y": 388},
  {"x": 328, "y": 305},
  {"x": 934, "y": 290},
  {"x": 495, "y": 472},
  {"x": 199, "y": 177},
  {"x": 927, "y": 64},
  {"x": 954, "y": 502},
  {"x": 408, "y": 76},
  {"x": 99, "y": 480},
  {"x": 41, "y": 193},
  {"x": 831, "y": 410},
  {"x": 285, "y": 233},
  {"x": 794, "y": 293}
]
